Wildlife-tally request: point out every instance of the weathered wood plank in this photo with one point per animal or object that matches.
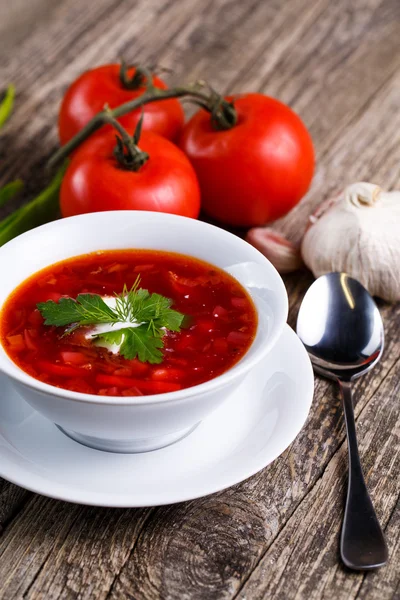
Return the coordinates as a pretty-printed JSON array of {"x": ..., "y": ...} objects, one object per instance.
[
  {"x": 223, "y": 48},
  {"x": 376, "y": 587},
  {"x": 86, "y": 547},
  {"x": 17, "y": 20},
  {"x": 90, "y": 557},
  {"x": 12, "y": 498},
  {"x": 27, "y": 542}
]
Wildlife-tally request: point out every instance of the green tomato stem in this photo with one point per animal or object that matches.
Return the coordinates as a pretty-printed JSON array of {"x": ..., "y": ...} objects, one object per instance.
[
  {"x": 143, "y": 77},
  {"x": 192, "y": 92},
  {"x": 127, "y": 152}
]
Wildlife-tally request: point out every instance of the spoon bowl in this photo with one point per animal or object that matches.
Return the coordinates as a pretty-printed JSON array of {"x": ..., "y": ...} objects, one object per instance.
[
  {"x": 341, "y": 327},
  {"x": 342, "y": 330}
]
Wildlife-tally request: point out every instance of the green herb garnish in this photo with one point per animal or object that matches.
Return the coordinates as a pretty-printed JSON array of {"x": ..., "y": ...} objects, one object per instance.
[
  {"x": 152, "y": 312},
  {"x": 6, "y": 103}
]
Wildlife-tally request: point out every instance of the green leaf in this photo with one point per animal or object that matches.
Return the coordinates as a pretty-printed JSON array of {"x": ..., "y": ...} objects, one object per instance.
[
  {"x": 137, "y": 342},
  {"x": 40, "y": 210},
  {"x": 171, "y": 319},
  {"x": 63, "y": 312},
  {"x": 153, "y": 307},
  {"x": 87, "y": 309},
  {"x": 140, "y": 342},
  {"x": 111, "y": 337},
  {"x": 10, "y": 190},
  {"x": 138, "y": 299},
  {"x": 6, "y": 104},
  {"x": 95, "y": 310}
]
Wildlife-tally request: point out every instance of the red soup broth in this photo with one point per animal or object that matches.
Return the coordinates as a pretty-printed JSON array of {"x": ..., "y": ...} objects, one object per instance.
[{"x": 221, "y": 328}]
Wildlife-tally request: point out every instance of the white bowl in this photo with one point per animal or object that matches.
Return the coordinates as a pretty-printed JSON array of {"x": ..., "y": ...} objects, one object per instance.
[{"x": 138, "y": 424}]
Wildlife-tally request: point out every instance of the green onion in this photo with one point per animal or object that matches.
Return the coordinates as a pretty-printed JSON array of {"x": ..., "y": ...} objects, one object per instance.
[
  {"x": 40, "y": 210},
  {"x": 10, "y": 190},
  {"x": 6, "y": 104}
]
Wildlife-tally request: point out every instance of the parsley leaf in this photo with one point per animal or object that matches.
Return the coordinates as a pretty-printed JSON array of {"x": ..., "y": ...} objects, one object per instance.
[
  {"x": 151, "y": 313},
  {"x": 115, "y": 336},
  {"x": 87, "y": 309},
  {"x": 153, "y": 307},
  {"x": 136, "y": 342},
  {"x": 170, "y": 319}
]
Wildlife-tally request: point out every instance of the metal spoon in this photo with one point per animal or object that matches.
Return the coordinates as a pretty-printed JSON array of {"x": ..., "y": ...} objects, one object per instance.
[{"x": 342, "y": 330}]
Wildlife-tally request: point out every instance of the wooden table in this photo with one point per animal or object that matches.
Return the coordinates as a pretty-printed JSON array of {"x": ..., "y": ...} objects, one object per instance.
[{"x": 276, "y": 535}]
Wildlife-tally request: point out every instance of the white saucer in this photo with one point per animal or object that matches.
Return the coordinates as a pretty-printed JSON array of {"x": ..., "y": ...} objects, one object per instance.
[{"x": 245, "y": 434}]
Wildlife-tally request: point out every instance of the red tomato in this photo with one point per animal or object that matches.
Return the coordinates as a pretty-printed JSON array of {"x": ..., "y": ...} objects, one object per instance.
[
  {"x": 94, "y": 180},
  {"x": 97, "y": 87},
  {"x": 256, "y": 171}
]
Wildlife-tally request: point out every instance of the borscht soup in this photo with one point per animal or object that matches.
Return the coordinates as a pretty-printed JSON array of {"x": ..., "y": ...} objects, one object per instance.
[{"x": 128, "y": 323}]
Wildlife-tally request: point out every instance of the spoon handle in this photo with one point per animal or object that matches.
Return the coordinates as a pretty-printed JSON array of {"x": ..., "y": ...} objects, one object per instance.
[{"x": 362, "y": 544}]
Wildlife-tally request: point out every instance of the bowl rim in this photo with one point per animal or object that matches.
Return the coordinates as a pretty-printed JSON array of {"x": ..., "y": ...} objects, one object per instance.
[{"x": 239, "y": 369}]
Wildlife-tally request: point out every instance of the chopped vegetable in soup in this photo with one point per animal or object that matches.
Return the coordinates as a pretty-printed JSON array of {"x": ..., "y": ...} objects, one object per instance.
[{"x": 128, "y": 323}]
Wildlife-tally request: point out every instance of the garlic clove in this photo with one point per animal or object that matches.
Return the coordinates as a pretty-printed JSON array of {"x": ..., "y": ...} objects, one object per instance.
[
  {"x": 362, "y": 194},
  {"x": 284, "y": 255},
  {"x": 358, "y": 233}
]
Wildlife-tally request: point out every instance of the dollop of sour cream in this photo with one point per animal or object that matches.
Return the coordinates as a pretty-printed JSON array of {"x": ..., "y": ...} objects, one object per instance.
[{"x": 104, "y": 327}]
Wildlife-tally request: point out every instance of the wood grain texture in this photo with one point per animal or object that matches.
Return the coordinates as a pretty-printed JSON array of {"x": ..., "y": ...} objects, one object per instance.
[
  {"x": 276, "y": 534},
  {"x": 12, "y": 499}
]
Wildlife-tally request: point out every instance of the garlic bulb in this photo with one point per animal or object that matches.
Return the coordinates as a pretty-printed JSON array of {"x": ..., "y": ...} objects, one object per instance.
[{"x": 358, "y": 233}]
